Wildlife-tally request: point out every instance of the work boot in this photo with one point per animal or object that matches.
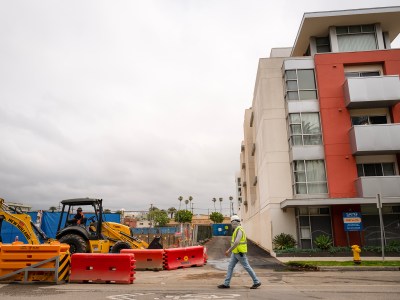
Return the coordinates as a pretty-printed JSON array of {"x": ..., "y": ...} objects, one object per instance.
[
  {"x": 256, "y": 285},
  {"x": 223, "y": 286}
]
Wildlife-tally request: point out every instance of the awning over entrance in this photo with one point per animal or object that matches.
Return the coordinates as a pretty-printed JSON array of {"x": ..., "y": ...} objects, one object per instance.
[{"x": 288, "y": 203}]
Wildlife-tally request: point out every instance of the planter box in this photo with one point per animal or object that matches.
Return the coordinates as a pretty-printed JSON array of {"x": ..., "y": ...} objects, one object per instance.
[{"x": 338, "y": 254}]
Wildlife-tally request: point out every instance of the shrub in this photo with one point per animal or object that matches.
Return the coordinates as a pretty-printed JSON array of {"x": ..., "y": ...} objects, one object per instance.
[
  {"x": 323, "y": 242},
  {"x": 217, "y": 217},
  {"x": 334, "y": 250},
  {"x": 283, "y": 241}
]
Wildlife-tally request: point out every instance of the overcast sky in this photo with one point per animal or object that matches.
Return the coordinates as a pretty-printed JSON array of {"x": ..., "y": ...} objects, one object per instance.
[{"x": 134, "y": 102}]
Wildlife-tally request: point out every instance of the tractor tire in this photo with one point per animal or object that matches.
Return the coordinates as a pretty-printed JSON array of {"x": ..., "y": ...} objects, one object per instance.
[
  {"x": 76, "y": 243},
  {"x": 118, "y": 246}
]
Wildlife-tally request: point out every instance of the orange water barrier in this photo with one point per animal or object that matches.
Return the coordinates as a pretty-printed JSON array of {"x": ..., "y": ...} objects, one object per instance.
[
  {"x": 147, "y": 259},
  {"x": 27, "y": 263}
]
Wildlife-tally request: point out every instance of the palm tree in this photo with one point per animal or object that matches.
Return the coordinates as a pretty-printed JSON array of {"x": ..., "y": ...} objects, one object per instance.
[
  {"x": 186, "y": 202},
  {"x": 180, "y": 201},
  {"x": 214, "y": 200},
  {"x": 53, "y": 208},
  {"x": 220, "y": 205},
  {"x": 231, "y": 210},
  {"x": 190, "y": 199},
  {"x": 172, "y": 211}
]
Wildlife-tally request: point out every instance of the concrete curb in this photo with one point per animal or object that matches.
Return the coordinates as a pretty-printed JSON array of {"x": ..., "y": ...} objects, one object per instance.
[{"x": 359, "y": 268}]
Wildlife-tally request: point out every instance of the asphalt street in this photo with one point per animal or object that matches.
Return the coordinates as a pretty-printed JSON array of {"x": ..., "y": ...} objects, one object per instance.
[{"x": 198, "y": 283}]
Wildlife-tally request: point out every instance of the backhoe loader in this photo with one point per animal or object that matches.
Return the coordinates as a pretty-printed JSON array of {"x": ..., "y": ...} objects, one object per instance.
[
  {"x": 93, "y": 235},
  {"x": 33, "y": 234}
]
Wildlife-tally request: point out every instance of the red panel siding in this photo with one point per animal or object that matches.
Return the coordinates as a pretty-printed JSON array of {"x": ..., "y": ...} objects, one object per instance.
[
  {"x": 340, "y": 236},
  {"x": 335, "y": 119}
]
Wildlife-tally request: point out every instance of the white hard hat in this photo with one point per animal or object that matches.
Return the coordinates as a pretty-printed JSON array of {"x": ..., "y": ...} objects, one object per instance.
[{"x": 235, "y": 218}]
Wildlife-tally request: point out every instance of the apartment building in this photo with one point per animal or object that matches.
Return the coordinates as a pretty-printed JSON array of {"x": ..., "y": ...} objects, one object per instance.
[{"x": 322, "y": 136}]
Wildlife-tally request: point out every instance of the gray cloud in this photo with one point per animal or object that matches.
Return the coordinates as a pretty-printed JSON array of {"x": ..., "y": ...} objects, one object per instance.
[{"x": 135, "y": 102}]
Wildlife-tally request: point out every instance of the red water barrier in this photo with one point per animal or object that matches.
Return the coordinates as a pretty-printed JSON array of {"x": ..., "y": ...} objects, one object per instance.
[
  {"x": 205, "y": 255},
  {"x": 147, "y": 259},
  {"x": 102, "y": 268},
  {"x": 176, "y": 258}
]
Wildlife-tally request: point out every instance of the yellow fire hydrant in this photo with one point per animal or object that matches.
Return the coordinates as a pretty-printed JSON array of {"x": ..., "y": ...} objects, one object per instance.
[{"x": 356, "y": 254}]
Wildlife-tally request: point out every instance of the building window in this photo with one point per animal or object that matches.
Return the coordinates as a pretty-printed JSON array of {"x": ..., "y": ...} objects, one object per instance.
[
  {"x": 309, "y": 177},
  {"x": 300, "y": 84},
  {"x": 323, "y": 44},
  {"x": 367, "y": 120},
  {"x": 377, "y": 169},
  {"x": 305, "y": 129},
  {"x": 312, "y": 222},
  {"x": 356, "y": 38},
  {"x": 362, "y": 74}
]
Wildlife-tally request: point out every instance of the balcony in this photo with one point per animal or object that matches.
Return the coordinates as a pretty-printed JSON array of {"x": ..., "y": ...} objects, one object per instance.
[
  {"x": 375, "y": 139},
  {"x": 370, "y": 186},
  {"x": 369, "y": 92}
]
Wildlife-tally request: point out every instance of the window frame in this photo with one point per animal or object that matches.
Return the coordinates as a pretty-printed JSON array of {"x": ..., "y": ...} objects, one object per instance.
[
  {"x": 306, "y": 182},
  {"x": 295, "y": 81},
  {"x": 362, "y": 166},
  {"x": 302, "y": 134},
  {"x": 368, "y": 119},
  {"x": 357, "y": 33}
]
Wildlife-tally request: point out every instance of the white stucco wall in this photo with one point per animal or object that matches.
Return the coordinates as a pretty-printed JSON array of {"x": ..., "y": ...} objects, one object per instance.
[{"x": 264, "y": 218}]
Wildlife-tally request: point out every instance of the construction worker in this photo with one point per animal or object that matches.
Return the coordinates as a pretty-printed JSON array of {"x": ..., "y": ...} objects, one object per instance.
[
  {"x": 238, "y": 251},
  {"x": 79, "y": 218}
]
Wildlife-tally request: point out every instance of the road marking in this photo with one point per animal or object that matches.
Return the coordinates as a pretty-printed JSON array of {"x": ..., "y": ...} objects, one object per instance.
[{"x": 157, "y": 296}]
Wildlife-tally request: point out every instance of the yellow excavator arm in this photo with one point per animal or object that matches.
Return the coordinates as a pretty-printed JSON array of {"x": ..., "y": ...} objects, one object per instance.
[
  {"x": 21, "y": 221},
  {"x": 119, "y": 232}
]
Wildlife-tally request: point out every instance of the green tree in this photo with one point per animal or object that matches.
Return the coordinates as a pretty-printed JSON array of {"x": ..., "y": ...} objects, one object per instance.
[
  {"x": 107, "y": 211},
  {"x": 183, "y": 216},
  {"x": 159, "y": 217},
  {"x": 171, "y": 211},
  {"x": 53, "y": 208},
  {"x": 216, "y": 217}
]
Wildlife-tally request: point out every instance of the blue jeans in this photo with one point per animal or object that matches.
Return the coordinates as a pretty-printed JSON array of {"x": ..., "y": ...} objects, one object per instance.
[{"x": 235, "y": 258}]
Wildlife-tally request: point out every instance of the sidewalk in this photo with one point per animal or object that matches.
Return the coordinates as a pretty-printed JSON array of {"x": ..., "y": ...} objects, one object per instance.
[
  {"x": 349, "y": 258},
  {"x": 345, "y": 268}
]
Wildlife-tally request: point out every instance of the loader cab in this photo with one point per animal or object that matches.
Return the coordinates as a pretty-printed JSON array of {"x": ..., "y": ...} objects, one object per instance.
[
  {"x": 81, "y": 237},
  {"x": 92, "y": 220}
]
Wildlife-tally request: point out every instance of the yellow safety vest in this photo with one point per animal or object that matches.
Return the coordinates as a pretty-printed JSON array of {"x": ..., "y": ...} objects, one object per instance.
[{"x": 242, "y": 247}]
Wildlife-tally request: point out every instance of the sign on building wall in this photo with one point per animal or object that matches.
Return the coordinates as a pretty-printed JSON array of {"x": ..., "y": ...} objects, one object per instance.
[{"x": 352, "y": 221}]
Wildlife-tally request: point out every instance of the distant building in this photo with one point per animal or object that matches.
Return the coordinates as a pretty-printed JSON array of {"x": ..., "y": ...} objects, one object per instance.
[
  {"x": 200, "y": 220},
  {"x": 143, "y": 224},
  {"x": 19, "y": 206},
  {"x": 322, "y": 136},
  {"x": 238, "y": 181}
]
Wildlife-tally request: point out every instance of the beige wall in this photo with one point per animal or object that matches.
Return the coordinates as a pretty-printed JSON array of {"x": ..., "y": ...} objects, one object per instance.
[{"x": 263, "y": 218}]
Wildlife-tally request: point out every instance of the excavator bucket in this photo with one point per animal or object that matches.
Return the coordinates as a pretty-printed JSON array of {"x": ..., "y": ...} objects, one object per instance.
[{"x": 155, "y": 243}]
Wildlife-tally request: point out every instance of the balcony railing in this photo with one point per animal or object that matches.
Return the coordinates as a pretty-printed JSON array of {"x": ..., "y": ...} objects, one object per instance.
[
  {"x": 375, "y": 139},
  {"x": 377, "y": 91},
  {"x": 370, "y": 186}
]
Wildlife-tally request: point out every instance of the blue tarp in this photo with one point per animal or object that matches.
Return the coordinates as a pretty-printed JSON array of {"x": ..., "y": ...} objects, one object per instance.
[
  {"x": 220, "y": 229},
  {"x": 158, "y": 230},
  {"x": 49, "y": 225}
]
